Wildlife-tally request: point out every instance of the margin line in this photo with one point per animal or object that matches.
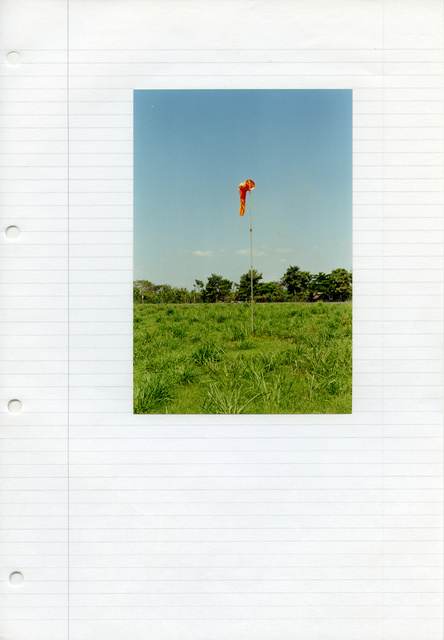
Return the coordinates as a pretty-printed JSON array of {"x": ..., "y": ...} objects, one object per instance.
[{"x": 68, "y": 332}]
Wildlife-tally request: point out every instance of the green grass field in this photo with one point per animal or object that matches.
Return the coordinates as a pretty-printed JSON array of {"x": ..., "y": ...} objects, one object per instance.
[{"x": 203, "y": 359}]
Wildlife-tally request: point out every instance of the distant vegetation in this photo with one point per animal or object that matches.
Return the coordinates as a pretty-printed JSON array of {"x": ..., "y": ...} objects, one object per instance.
[
  {"x": 203, "y": 358},
  {"x": 295, "y": 285}
]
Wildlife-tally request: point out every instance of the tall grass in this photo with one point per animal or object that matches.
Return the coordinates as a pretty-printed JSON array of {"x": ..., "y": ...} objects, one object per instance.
[{"x": 203, "y": 359}]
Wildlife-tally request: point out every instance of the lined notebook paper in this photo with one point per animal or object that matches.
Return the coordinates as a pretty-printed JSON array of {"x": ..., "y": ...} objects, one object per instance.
[{"x": 312, "y": 527}]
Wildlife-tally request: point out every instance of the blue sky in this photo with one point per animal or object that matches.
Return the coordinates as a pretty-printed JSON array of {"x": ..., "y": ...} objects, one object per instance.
[{"x": 191, "y": 151}]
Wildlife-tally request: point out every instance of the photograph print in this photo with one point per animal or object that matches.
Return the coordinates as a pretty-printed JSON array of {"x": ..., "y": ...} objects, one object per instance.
[{"x": 242, "y": 252}]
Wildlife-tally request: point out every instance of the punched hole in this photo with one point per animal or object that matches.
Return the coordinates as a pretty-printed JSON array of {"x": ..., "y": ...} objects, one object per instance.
[
  {"x": 12, "y": 232},
  {"x": 13, "y": 58},
  {"x": 14, "y": 406},
  {"x": 16, "y": 578}
]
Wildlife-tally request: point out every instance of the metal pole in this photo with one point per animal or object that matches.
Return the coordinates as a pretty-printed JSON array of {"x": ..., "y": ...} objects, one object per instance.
[{"x": 251, "y": 268}]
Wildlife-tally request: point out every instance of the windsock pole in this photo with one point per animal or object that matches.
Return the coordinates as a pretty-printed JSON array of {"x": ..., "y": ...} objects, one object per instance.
[{"x": 251, "y": 268}]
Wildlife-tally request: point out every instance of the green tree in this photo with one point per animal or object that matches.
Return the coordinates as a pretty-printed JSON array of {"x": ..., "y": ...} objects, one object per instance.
[
  {"x": 272, "y": 290},
  {"x": 197, "y": 290},
  {"x": 144, "y": 286},
  {"x": 244, "y": 286},
  {"x": 296, "y": 281},
  {"x": 320, "y": 285},
  {"x": 165, "y": 293},
  {"x": 137, "y": 296},
  {"x": 217, "y": 288},
  {"x": 146, "y": 290},
  {"x": 340, "y": 283}
]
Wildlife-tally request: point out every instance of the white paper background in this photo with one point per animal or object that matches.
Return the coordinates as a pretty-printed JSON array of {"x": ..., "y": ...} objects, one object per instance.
[{"x": 189, "y": 528}]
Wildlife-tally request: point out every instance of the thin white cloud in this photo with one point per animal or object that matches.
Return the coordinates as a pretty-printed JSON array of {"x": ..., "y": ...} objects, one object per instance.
[
  {"x": 284, "y": 250},
  {"x": 203, "y": 254},
  {"x": 256, "y": 252},
  {"x": 282, "y": 260}
]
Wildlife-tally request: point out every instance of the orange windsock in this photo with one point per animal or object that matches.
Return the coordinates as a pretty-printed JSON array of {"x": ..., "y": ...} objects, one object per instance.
[{"x": 248, "y": 185}]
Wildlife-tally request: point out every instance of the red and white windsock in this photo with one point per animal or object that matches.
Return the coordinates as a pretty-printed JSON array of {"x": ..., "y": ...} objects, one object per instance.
[{"x": 248, "y": 185}]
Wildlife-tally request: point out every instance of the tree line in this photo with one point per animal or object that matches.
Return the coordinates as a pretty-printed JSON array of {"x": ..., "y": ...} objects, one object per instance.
[{"x": 294, "y": 286}]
